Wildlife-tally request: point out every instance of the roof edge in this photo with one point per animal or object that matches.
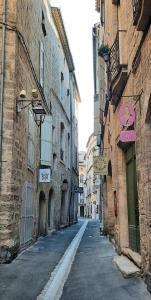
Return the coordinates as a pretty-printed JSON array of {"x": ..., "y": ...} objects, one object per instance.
[{"x": 58, "y": 20}]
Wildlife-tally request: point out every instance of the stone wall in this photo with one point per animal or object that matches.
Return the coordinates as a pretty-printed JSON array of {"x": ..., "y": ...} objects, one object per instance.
[
  {"x": 131, "y": 42},
  {"x": 21, "y": 67}
]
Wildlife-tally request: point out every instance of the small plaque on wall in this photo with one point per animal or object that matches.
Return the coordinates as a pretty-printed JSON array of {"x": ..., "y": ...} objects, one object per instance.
[{"x": 44, "y": 175}]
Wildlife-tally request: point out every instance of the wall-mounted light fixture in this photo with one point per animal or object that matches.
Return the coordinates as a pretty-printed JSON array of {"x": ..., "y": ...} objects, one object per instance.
[
  {"x": 38, "y": 109},
  {"x": 104, "y": 52}
]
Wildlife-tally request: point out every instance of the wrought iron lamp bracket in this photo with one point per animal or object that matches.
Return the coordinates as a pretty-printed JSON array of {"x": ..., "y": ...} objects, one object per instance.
[
  {"x": 27, "y": 101},
  {"x": 136, "y": 98},
  {"x": 20, "y": 106}
]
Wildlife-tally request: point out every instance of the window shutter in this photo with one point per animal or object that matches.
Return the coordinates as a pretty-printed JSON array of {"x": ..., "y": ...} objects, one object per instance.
[
  {"x": 41, "y": 64},
  {"x": 62, "y": 86},
  {"x": 26, "y": 224},
  {"x": 31, "y": 139},
  {"x": 46, "y": 142}
]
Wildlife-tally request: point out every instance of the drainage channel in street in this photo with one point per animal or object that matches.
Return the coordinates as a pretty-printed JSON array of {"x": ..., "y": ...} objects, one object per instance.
[{"x": 54, "y": 287}]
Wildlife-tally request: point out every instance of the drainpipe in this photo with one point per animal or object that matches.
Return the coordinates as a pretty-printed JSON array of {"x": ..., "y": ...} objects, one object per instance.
[{"x": 2, "y": 84}]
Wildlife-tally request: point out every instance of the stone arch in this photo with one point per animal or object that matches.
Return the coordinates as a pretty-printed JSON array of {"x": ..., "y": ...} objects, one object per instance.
[{"x": 42, "y": 214}]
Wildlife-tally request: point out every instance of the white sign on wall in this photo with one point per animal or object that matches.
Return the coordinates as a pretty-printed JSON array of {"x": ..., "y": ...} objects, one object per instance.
[{"x": 44, "y": 175}]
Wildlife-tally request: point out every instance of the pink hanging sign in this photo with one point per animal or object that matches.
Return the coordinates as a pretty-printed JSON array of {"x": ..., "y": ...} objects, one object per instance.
[
  {"x": 128, "y": 136},
  {"x": 126, "y": 114}
]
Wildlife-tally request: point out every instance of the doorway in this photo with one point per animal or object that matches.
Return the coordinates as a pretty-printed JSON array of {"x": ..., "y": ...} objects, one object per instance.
[
  {"x": 50, "y": 209},
  {"x": 132, "y": 200},
  {"x": 81, "y": 211},
  {"x": 42, "y": 214},
  {"x": 63, "y": 208}
]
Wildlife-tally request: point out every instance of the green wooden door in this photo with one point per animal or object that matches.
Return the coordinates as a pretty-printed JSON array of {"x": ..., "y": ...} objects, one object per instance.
[{"x": 132, "y": 199}]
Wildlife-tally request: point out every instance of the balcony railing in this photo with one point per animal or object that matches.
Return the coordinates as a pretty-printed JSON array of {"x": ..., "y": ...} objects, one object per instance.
[
  {"x": 141, "y": 14},
  {"x": 114, "y": 60},
  {"x": 118, "y": 71},
  {"x": 136, "y": 10}
]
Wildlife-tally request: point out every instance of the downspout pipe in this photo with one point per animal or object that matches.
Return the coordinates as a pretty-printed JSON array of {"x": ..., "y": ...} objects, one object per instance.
[{"x": 2, "y": 84}]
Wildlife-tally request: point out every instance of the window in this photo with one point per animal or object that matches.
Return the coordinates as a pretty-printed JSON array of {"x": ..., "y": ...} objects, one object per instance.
[
  {"x": 102, "y": 12},
  {"x": 41, "y": 64},
  {"x": 69, "y": 151},
  {"x": 62, "y": 141},
  {"x": 53, "y": 135},
  {"x": 31, "y": 139},
  {"x": 46, "y": 142},
  {"x": 43, "y": 24},
  {"x": 81, "y": 178},
  {"x": 54, "y": 161},
  {"x": 62, "y": 86},
  {"x": 76, "y": 157},
  {"x": 68, "y": 102}
]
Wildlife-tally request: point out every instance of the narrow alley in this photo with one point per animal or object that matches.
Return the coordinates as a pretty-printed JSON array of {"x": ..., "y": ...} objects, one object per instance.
[
  {"x": 75, "y": 150},
  {"x": 93, "y": 274}
]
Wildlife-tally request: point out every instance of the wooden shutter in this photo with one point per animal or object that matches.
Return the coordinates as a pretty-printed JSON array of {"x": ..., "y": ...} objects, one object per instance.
[
  {"x": 26, "y": 225},
  {"x": 46, "y": 142},
  {"x": 31, "y": 139},
  {"x": 41, "y": 64}
]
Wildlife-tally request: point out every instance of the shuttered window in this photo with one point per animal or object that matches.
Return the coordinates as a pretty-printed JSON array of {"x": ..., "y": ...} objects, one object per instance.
[
  {"x": 31, "y": 139},
  {"x": 46, "y": 142},
  {"x": 62, "y": 86},
  {"x": 26, "y": 224},
  {"x": 69, "y": 151},
  {"x": 62, "y": 142},
  {"x": 41, "y": 64}
]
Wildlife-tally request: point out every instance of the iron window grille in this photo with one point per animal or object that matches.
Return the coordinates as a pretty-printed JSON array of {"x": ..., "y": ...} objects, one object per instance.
[{"x": 115, "y": 66}]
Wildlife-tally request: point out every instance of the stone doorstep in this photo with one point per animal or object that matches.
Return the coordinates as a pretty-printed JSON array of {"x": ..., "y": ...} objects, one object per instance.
[
  {"x": 126, "y": 266},
  {"x": 134, "y": 256}
]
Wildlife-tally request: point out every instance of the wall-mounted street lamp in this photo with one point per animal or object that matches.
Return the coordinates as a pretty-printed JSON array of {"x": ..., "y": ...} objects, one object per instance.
[
  {"x": 104, "y": 52},
  {"x": 39, "y": 111}
]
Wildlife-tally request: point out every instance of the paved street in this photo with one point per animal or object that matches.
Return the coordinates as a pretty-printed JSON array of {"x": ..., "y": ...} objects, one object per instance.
[
  {"x": 26, "y": 276},
  {"x": 93, "y": 274}
]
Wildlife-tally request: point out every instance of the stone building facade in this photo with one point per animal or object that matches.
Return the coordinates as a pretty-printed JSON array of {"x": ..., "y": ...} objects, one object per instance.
[
  {"x": 35, "y": 54},
  {"x": 127, "y": 34},
  {"x": 93, "y": 188}
]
